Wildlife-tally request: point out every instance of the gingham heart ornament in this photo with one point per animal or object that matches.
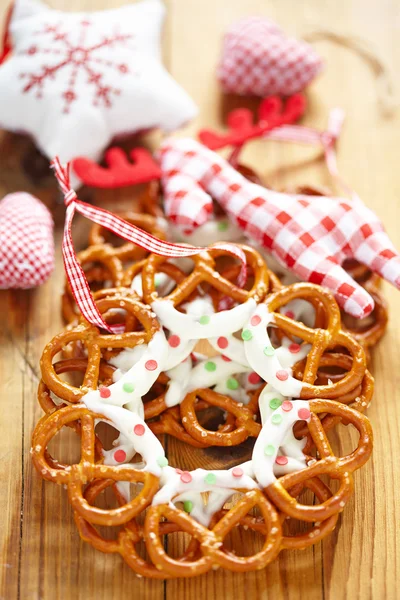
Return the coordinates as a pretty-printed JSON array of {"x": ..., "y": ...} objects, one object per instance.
[
  {"x": 26, "y": 241},
  {"x": 259, "y": 59}
]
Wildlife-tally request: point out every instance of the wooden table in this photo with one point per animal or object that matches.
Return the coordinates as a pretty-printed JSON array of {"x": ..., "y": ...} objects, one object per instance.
[{"x": 42, "y": 556}]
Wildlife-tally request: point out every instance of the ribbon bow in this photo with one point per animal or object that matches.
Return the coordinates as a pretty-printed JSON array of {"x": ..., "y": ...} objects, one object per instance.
[{"x": 75, "y": 274}]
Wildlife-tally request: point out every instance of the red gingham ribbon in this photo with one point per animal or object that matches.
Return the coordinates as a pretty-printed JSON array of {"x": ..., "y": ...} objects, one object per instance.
[{"x": 75, "y": 274}]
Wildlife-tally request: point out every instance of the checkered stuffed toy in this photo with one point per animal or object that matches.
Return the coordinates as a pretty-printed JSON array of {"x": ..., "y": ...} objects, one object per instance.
[
  {"x": 259, "y": 59},
  {"x": 26, "y": 242},
  {"x": 311, "y": 235}
]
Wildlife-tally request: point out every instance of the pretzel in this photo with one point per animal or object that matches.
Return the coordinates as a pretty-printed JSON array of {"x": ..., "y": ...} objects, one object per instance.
[
  {"x": 204, "y": 272},
  {"x": 94, "y": 342},
  {"x": 321, "y": 339}
]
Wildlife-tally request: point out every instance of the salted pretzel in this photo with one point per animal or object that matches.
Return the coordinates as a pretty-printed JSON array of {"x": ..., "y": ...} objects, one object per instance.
[
  {"x": 94, "y": 342},
  {"x": 320, "y": 338},
  {"x": 204, "y": 272}
]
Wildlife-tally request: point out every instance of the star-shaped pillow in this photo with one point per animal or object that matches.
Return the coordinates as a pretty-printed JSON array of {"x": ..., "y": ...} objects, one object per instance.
[{"x": 76, "y": 80}]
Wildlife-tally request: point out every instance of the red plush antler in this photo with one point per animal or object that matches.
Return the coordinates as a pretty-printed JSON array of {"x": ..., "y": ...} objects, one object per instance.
[
  {"x": 120, "y": 172},
  {"x": 271, "y": 114}
]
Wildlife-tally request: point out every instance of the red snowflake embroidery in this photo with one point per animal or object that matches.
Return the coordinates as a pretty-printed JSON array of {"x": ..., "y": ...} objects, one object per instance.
[{"x": 79, "y": 58}]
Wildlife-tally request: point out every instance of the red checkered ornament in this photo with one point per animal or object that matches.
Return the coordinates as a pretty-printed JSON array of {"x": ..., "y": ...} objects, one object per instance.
[
  {"x": 259, "y": 59},
  {"x": 26, "y": 242},
  {"x": 310, "y": 235}
]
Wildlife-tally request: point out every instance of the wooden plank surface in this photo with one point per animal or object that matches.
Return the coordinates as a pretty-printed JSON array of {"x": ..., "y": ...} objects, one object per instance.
[{"x": 42, "y": 556}]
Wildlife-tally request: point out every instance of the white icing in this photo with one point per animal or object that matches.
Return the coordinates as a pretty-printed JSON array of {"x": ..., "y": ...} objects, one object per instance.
[
  {"x": 268, "y": 366},
  {"x": 189, "y": 327}
]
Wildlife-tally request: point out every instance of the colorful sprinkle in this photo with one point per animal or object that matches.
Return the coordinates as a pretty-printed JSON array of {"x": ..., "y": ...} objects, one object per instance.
[
  {"x": 222, "y": 343},
  {"x": 254, "y": 378},
  {"x": 281, "y": 460},
  {"x": 210, "y": 366},
  {"x": 120, "y": 456},
  {"x": 210, "y": 478},
  {"x": 246, "y": 335},
  {"x": 222, "y": 225},
  {"x": 162, "y": 461},
  {"x": 237, "y": 472},
  {"x": 204, "y": 320},
  {"x": 158, "y": 279},
  {"x": 104, "y": 392},
  {"x": 225, "y": 358},
  {"x": 275, "y": 403},
  {"x": 151, "y": 365},
  {"x": 276, "y": 419},
  {"x": 174, "y": 341},
  {"x": 256, "y": 320},
  {"x": 232, "y": 383},
  {"x": 304, "y": 414},
  {"x": 186, "y": 477},
  {"x": 139, "y": 429},
  {"x": 289, "y": 314},
  {"x": 187, "y": 506},
  {"x": 282, "y": 375},
  {"x": 294, "y": 348},
  {"x": 269, "y": 351},
  {"x": 287, "y": 406},
  {"x": 179, "y": 471},
  {"x": 269, "y": 450},
  {"x": 128, "y": 387}
]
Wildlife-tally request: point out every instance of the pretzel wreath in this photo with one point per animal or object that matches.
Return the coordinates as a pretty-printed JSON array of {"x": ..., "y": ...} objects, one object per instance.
[{"x": 283, "y": 375}]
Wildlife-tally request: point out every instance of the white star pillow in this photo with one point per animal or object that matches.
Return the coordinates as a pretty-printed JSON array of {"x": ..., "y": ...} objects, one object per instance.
[{"x": 75, "y": 81}]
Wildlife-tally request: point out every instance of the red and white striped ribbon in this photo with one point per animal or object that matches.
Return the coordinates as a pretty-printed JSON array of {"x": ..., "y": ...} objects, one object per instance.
[{"x": 75, "y": 274}]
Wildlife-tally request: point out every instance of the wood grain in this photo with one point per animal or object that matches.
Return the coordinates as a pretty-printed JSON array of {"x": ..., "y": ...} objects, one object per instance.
[{"x": 42, "y": 556}]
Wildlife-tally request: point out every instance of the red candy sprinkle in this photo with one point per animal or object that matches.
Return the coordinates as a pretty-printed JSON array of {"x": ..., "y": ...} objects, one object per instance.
[
  {"x": 120, "y": 456},
  {"x": 237, "y": 472},
  {"x": 256, "y": 320},
  {"x": 222, "y": 342},
  {"x": 174, "y": 341},
  {"x": 281, "y": 460},
  {"x": 294, "y": 348},
  {"x": 254, "y": 378},
  {"x": 287, "y": 406},
  {"x": 304, "y": 414},
  {"x": 186, "y": 477},
  {"x": 282, "y": 375},
  {"x": 289, "y": 314},
  {"x": 104, "y": 392},
  {"x": 179, "y": 471},
  {"x": 139, "y": 430},
  {"x": 151, "y": 365},
  {"x": 225, "y": 358}
]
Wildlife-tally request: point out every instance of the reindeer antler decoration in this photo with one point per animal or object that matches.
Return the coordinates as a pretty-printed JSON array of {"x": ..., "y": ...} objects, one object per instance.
[
  {"x": 120, "y": 172},
  {"x": 241, "y": 126}
]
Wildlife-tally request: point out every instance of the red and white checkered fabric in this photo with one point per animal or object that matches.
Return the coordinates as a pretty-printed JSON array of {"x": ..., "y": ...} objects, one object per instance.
[
  {"x": 259, "y": 59},
  {"x": 26, "y": 242},
  {"x": 310, "y": 235}
]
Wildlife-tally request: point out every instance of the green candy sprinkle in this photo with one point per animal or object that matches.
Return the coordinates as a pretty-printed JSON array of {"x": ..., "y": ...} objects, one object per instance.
[
  {"x": 222, "y": 226},
  {"x": 188, "y": 506},
  {"x": 211, "y": 479},
  {"x": 128, "y": 387},
  {"x": 269, "y": 450},
  {"x": 275, "y": 403},
  {"x": 210, "y": 366},
  {"x": 269, "y": 351},
  {"x": 162, "y": 461},
  {"x": 204, "y": 320},
  {"x": 232, "y": 383},
  {"x": 276, "y": 419},
  {"x": 246, "y": 335},
  {"x": 158, "y": 279}
]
